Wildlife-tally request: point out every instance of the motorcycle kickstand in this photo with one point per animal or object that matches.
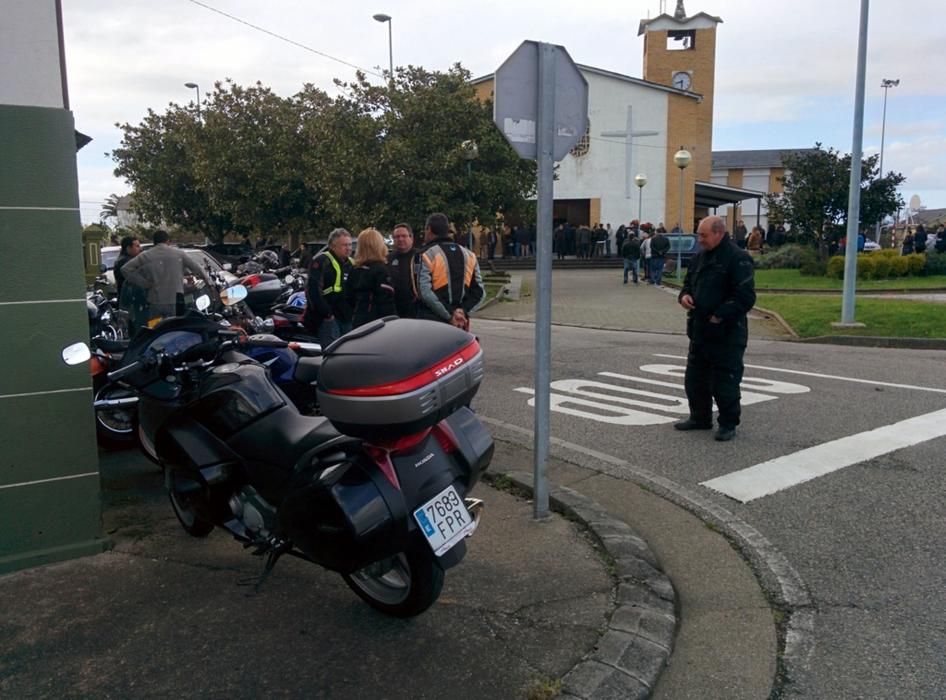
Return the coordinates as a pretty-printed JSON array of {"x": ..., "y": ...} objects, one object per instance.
[{"x": 273, "y": 549}]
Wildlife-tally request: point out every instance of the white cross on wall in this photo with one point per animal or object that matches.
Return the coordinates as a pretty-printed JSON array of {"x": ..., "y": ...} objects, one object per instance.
[{"x": 628, "y": 135}]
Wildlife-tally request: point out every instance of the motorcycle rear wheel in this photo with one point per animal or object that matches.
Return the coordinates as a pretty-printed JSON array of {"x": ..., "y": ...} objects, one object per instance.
[
  {"x": 193, "y": 524},
  {"x": 404, "y": 585}
]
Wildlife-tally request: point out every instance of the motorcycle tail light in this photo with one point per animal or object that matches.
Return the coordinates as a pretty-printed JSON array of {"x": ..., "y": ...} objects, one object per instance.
[
  {"x": 97, "y": 366},
  {"x": 382, "y": 457},
  {"x": 446, "y": 437},
  {"x": 250, "y": 281}
]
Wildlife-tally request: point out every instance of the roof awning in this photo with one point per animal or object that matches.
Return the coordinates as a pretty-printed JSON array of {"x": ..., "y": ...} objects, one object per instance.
[{"x": 711, "y": 195}]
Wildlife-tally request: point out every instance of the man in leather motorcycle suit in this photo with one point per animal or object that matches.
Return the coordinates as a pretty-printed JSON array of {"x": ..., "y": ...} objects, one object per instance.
[
  {"x": 327, "y": 313},
  {"x": 718, "y": 292},
  {"x": 449, "y": 283}
]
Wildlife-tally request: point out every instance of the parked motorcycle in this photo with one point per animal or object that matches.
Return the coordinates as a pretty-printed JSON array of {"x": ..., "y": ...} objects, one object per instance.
[
  {"x": 106, "y": 320},
  {"x": 115, "y": 405},
  {"x": 377, "y": 490}
]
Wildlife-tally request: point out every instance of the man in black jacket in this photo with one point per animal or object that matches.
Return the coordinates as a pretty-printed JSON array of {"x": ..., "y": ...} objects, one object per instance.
[
  {"x": 659, "y": 247},
  {"x": 328, "y": 314},
  {"x": 718, "y": 292},
  {"x": 401, "y": 267}
]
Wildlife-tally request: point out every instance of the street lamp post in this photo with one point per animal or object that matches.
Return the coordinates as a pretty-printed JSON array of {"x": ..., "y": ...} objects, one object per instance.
[
  {"x": 640, "y": 180},
  {"x": 470, "y": 152},
  {"x": 681, "y": 159},
  {"x": 195, "y": 86},
  {"x": 381, "y": 17},
  {"x": 886, "y": 84}
]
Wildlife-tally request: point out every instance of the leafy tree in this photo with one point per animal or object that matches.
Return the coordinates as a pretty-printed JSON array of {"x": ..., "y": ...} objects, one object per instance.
[
  {"x": 816, "y": 189},
  {"x": 158, "y": 158},
  {"x": 375, "y": 155}
]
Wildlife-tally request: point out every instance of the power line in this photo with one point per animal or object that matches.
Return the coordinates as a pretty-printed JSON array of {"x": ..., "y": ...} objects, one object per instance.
[{"x": 283, "y": 38}]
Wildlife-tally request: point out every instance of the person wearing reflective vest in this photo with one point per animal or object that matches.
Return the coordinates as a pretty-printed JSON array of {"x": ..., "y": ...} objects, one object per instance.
[
  {"x": 449, "y": 283},
  {"x": 328, "y": 314}
]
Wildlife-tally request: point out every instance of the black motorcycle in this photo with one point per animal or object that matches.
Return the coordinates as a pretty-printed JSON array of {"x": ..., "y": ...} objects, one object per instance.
[{"x": 376, "y": 490}]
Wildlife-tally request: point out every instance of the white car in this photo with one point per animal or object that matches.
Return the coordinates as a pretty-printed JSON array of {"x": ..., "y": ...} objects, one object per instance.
[{"x": 870, "y": 246}]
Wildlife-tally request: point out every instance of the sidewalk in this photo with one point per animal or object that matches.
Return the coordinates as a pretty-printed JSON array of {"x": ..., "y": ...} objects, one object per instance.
[
  {"x": 162, "y": 614},
  {"x": 596, "y": 298}
]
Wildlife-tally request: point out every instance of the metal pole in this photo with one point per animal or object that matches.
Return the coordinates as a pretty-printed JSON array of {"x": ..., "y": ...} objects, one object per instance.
[
  {"x": 640, "y": 206},
  {"x": 545, "y": 140},
  {"x": 880, "y": 172},
  {"x": 680, "y": 236},
  {"x": 854, "y": 199},
  {"x": 390, "y": 51}
]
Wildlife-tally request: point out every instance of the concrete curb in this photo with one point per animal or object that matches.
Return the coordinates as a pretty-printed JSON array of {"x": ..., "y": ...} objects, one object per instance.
[
  {"x": 869, "y": 341},
  {"x": 778, "y": 319},
  {"x": 638, "y": 641}
]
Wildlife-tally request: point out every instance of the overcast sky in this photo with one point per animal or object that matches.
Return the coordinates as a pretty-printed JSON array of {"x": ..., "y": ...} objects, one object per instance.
[{"x": 784, "y": 78}]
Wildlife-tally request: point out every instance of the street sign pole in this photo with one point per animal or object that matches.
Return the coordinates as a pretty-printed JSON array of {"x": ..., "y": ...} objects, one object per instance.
[
  {"x": 541, "y": 108},
  {"x": 545, "y": 139}
]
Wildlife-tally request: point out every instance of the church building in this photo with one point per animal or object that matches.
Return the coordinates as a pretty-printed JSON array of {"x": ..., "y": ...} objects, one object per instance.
[{"x": 636, "y": 126}]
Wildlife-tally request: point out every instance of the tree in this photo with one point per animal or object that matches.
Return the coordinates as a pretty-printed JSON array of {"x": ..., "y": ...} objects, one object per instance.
[
  {"x": 816, "y": 191},
  {"x": 110, "y": 208},
  {"x": 409, "y": 134},
  {"x": 373, "y": 156}
]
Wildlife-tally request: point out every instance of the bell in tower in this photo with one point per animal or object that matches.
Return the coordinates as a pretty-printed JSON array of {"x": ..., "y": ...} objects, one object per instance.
[{"x": 680, "y": 13}]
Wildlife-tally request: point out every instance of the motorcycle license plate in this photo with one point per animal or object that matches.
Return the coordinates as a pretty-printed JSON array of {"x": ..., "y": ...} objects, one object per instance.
[{"x": 444, "y": 520}]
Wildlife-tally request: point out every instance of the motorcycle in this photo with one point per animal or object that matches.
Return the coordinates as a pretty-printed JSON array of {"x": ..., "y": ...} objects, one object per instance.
[
  {"x": 106, "y": 320},
  {"x": 115, "y": 405},
  {"x": 376, "y": 490}
]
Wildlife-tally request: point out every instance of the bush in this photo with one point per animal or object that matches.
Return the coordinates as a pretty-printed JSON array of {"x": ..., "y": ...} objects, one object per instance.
[
  {"x": 812, "y": 264},
  {"x": 883, "y": 264},
  {"x": 936, "y": 264},
  {"x": 786, "y": 257},
  {"x": 916, "y": 263},
  {"x": 866, "y": 267},
  {"x": 835, "y": 267},
  {"x": 899, "y": 266}
]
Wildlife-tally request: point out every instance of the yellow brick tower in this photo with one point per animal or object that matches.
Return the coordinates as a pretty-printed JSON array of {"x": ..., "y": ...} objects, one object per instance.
[{"x": 680, "y": 52}]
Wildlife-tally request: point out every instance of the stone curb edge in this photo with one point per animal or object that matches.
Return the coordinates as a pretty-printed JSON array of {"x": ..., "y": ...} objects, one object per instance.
[{"x": 638, "y": 641}]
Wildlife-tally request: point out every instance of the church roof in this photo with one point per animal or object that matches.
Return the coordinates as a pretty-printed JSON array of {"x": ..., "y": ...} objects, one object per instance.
[
  {"x": 700, "y": 19},
  {"x": 770, "y": 158},
  {"x": 616, "y": 76}
]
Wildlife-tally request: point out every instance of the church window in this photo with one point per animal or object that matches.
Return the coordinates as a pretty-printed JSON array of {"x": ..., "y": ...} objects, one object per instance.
[
  {"x": 584, "y": 144},
  {"x": 681, "y": 40}
]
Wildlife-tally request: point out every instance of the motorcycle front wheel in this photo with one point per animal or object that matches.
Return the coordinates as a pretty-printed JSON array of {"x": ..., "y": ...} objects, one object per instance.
[
  {"x": 193, "y": 523},
  {"x": 404, "y": 585},
  {"x": 116, "y": 427}
]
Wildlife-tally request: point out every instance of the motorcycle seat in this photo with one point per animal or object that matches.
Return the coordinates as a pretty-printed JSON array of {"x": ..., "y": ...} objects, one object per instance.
[
  {"x": 106, "y": 345},
  {"x": 307, "y": 370},
  {"x": 282, "y": 437}
]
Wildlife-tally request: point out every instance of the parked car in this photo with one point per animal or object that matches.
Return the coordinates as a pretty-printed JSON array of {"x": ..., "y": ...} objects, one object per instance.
[
  {"x": 870, "y": 246},
  {"x": 686, "y": 243}
]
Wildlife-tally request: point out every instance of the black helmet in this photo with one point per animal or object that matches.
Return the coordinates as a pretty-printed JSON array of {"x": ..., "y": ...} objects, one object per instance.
[{"x": 267, "y": 258}]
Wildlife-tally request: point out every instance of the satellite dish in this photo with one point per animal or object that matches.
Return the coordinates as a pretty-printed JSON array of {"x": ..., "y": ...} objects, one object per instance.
[{"x": 915, "y": 202}]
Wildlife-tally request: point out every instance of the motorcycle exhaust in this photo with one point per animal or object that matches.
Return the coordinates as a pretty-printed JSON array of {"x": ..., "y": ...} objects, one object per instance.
[
  {"x": 114, "y": 403},
  {"x": 475, "y": 506}
]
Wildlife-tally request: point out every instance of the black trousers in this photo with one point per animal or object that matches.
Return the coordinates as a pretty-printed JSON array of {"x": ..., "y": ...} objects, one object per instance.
[{"x": 714, "y": 372}]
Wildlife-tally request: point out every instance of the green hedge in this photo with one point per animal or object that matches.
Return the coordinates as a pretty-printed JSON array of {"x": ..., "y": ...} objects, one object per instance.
[{"x": 885, "y": 264}]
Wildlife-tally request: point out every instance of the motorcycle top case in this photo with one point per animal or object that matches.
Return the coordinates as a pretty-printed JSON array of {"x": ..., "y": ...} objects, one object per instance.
[{"x": 397, "y": 376}]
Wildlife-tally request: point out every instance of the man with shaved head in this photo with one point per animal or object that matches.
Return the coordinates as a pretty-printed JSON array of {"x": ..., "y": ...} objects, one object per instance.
[{"x": 718, "y": 292}]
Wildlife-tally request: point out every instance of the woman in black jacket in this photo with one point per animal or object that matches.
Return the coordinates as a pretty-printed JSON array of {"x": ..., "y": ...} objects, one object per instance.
[{"x": 369, "y": 289}]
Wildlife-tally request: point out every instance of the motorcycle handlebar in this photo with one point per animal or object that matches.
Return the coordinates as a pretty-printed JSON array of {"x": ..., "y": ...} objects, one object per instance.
[{"x": 121, "y": 372}]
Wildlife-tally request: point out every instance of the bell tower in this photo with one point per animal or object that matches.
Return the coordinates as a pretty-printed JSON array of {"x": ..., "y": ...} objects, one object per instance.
[{"x": 680, "y": 52}]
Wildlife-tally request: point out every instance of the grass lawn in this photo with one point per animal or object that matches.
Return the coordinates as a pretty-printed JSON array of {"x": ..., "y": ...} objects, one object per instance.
[
  {"x": 793, "y": 279},
  {"x": 812, "y": 315}
]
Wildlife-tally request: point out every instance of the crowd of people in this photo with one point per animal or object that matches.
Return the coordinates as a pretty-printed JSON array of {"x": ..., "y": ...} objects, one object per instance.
[
  {"x": 439, "y": 280},
  {"x": 919, "y": 240}
]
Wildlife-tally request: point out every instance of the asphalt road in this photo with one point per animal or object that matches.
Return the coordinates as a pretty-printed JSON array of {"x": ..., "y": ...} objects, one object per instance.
[{"x": 866, "y": 540}]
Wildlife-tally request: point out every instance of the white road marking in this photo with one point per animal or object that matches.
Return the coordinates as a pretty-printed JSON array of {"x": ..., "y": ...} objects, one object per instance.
[
  {"x": 748, "y": 397},
  {"x": 789, "y": 470},
  {"x": 775, "y": 387},
  {"x": 827, "y": 376},
  {"x": 604, "y": 413}
]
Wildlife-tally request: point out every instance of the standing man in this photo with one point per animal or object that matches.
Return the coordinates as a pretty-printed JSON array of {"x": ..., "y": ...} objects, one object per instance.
[
  {"x": 449, "y": 284},
  {"x": 659, "y": 247},
  {"x": 631, "y": 252},
  {"x": 718, "y": 292},
  {"x": 401, "y": 268},
  {"x": 740, "y": 233},
  {"x": 327, "y": 313},
  {"x": 161, "y": 270},
  {"x": 131, "y": 246}
]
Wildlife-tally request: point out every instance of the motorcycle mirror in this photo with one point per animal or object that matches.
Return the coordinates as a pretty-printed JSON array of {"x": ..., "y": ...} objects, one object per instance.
[
  {"x": 233, "y": 295},
  {"x": 202, "y": 302},
  {"x": 76, "y": 354}
]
